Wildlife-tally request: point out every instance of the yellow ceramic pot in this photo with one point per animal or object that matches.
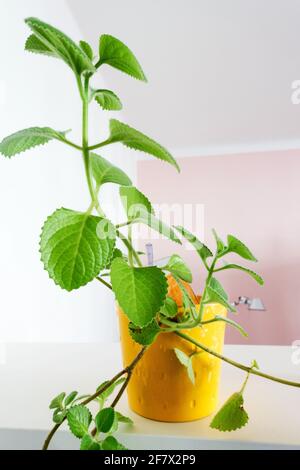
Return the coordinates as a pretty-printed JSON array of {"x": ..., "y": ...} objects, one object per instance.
[{"x": 160, "y": 388}]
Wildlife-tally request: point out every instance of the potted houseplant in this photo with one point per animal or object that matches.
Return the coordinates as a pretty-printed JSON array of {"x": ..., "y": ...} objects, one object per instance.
[{"x": 171, "y": 338}]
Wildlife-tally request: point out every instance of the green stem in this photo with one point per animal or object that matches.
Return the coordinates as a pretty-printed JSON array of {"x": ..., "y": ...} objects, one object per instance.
[
  {"x": 124, "y": 224},
  {"x": 71, "y": 144},
  {"x": 247, "y": 369},
  {"x": 98, "y": 146},
  {"x": 104, "y": 282},
  {"x": 128, "y": 245},
  {"x": 130, "y": 254}
]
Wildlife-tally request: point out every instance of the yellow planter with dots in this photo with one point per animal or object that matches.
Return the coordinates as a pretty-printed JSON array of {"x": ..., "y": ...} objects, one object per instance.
[{"x": 160, "y": 388}]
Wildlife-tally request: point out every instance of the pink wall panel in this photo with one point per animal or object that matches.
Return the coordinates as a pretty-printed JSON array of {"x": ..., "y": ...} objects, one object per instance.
[{"x": 257, "y": 198}]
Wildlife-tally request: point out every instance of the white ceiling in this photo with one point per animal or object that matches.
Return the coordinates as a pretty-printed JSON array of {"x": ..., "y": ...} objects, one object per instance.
[{"x": 219, "y": 71}]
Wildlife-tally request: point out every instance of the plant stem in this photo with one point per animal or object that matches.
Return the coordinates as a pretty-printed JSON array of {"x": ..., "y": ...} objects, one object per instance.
[
  {"x": 104, "y": 282},
  {"x": 130, "y": 247},
  {"x": 127, "y": 370},
  {"x": 98, "y": 146},
  {"x": 71, "y": 144},
  {"x": 250, "y": 370},
  {"x": 130, "y": 254},
  {"x": 124, "y": 224}
]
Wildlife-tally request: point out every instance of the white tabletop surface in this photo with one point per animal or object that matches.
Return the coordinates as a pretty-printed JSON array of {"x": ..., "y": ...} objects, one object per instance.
[{"x": 31, "y": 374}]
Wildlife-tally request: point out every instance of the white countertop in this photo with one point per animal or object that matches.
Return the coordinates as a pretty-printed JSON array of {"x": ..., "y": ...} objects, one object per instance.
[{"x": 31, "y": 374}]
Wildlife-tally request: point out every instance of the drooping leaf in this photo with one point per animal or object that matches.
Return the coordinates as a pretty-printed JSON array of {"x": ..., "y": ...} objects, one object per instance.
[
  {"x": 108, "y": 100},
  {"x": 220, "y": 244},
  {"x": 79, "y": 419},
  {"x": 61, "y": 45},
  {"x": 236, "y": 246},
  {"x": 217, "y": 286},
  {"x": 169, "y": 308},
  {"x": 130, "y": 137},
  {"x": 87, "y": 49},
  {"x": 59, "y": 416},
  {"x": 182, "y": 357},
  {"x": 106, "y": 172},
  {"x": 251, "y": 273},
  {"x": 105, "y": 419},
  {"x": 212, "y": 296},
  {"x": 201, "y": 249},
  {"x": 70, "y": 398},
  {"x": 232, "y": 415},
  {"x": 111, "y": 443},
  {"x": 57, "y": 402},
  {"x": 27, "y": 139},
  {"x": 75, "y": 246},
  {"x": 116, "y": 54},
  {"x": 33, "y": 44},
  {"x": 190, "y": 371},
  {"x": 134, "y": 201},
  {"x": 177, "y": 266},
  {"x": 140, "y": 292},
  {"x": 144, "y": 336},
  {"x": 123, "y": 419},
  {"x": 89, "y": 443}
]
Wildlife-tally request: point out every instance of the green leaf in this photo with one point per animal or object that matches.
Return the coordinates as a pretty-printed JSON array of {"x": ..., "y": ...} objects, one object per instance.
[
  {"x": 201, "y": 249},
  {"x": 89, "y": 443},
  {"x": 169, "y": 308},
  {"x": 251, "y": 273},
  {"x": 106, "y": 172},
  {"x": 59, "y": 416},
  {"x": 236, "y": 246},
  {"x": 134, "y": 201},
  {"x": 213, "y": 296},
  {"x": 144, "y": 217},
  {"x": 57, "y": 402},
  {"x": 114, "y": 53},
  {"x": 220, "y": 245},
  {"x": 61, "y": 45},
  {"x": 79, "y": 419},
  {"x": 105, "y": 420},
  {"x": 111, "y": 443},
  {"x": 75, "y": 247},
  {"x": 134, "y": 139},
  {"x": 190, "y": 371},
  {"x": 70, "y": 398},
  {"x": 232, "y": 415},
  {"x": 217, "y": 286},
  {"x": 182, "y": 357},
  {"x": 86, "y": 48},
  {"x": 108, "y": 100},
  {"x": 33, "y": 44},
  {"x": 28, "y": 138},
  {"x": 140, "y": 292},
  {"x": 177, "y": 266},
  {"x": 123, "y": 419},
  {"x": 144, "y": 336},
  {"x": 254, "y": 364}
]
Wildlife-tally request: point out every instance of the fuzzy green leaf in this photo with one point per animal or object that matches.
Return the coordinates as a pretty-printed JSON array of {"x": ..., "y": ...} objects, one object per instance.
[
  {"x": 214, "y": 296},
  {"x": 144, "y": 336},
  {"x": 116, "y": 54},
  {"x": 109, "y": 391},
  {"x": 169, "y": 308},
  {"x": 105, "y": 420},
  {"x": 86, "y": 48},
  {"x": 123, "y": 419},
  {"x": 182, "y": 357},
  {"x": 134, "y": 139},
  {"x": 61, "y": 45},
  {"x": 111, "y": 443},
  {"x": 177, "y": 266},
  {"x": 89, "y": 443},
  {"x": 75, "y": 247},
  {"x": 236, "y": 246},
  {"x": 70, "y": 398},
  {"x": 201, "y": 249},
  {"x": 217, "y": 286},
  {"x": 232, "y": 415},
  {"x": 190, "y": 371},
  {"x": 134, "y": 201},
  {"x": 140, "y": 292},
  {"x": 33, "y": 44},
  {"x": 59, "y": 416},
  {"x": 251, "y": 273},
  {"x": 57, "y": 402},
  {"x": 220, "y": 244},
  {"x": 106, "y": 172},
  {"x": 108, "y": 100},
  {"x": 79, "y": 419},
  {"x": 27, "y": 139}
]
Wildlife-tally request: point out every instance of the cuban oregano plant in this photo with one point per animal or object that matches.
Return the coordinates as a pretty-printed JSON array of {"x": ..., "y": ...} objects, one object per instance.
[{"x": 80, "y": 247}]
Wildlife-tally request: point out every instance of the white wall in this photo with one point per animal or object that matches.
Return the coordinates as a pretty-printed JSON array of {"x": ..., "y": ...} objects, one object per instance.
[{"x": 36, "y": 90}]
